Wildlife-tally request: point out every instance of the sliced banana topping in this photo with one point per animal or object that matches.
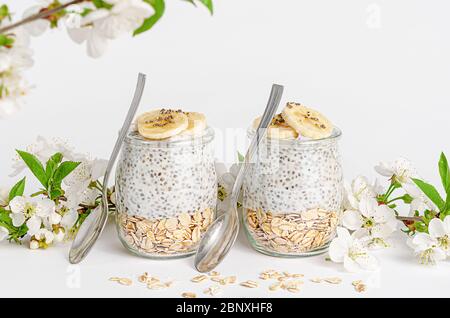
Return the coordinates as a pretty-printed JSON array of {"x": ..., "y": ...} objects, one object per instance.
[
  {"x": 306, "y": 121},
  {"x": 162, "y": 123},
  {"x": 196, "y": 125},
  {"x": 278, "y": 129}
]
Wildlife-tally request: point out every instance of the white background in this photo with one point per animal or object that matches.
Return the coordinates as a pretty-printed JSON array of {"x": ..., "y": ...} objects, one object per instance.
[{"x": 378, "y": 69}]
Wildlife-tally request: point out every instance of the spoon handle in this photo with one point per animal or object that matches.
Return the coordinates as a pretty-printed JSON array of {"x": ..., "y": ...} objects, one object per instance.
[
  {"x": 271, "y": 108},
  {"x": 122, "y": 134},
  {"x": 94, "y": 224}
]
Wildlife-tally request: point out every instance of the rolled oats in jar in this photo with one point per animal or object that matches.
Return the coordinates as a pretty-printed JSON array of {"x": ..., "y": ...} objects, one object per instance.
[
  {"x": 166, "y": 184},
  {"x": 294, "y": 191}
]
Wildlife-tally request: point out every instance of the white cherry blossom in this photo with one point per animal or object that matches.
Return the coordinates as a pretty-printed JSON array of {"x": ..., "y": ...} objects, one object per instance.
[
  {"x": 13, "y": 61},
  {"x": 358, "y": 189},
  {"x": 375, "y": 221},
  {"x": 351, "y": 251},
  {"x": 401, "y": 170},
  {"x": 69, "y": 215},
  {"x": 426, "y": 248},
  {"x": 102, "y": 25},
  {"x": 440, "y": 231},
  {"x": 32, "y": 213}
]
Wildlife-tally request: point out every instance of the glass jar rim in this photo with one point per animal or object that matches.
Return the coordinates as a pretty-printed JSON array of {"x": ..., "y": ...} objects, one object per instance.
[
  {"x": 335, "y": 135},
  {"x": 134, "y": 138}
]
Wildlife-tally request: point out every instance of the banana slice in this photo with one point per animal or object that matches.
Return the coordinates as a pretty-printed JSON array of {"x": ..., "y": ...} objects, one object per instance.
[
  {"x": 162, "y": 123},
  {"x": 306, "y": 121},
  {"x": 197, "y": 124},
  {"x": 278, "y": 129}
]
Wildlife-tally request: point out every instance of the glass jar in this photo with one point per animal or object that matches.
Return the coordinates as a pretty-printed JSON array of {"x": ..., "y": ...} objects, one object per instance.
[
  {"x": 292, "y": 196},
  {"x": 166, "y": 194}
]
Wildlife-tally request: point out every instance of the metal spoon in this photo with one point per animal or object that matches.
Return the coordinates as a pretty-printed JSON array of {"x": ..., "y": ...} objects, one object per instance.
[
  {"x": 223, "y": 232},
  {"x": 94, "y": 224}
]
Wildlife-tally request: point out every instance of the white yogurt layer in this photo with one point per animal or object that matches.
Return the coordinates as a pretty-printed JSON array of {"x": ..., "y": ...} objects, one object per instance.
[
  {"x": 295, "y": 176},
  {"x": 161, "y": 179}
]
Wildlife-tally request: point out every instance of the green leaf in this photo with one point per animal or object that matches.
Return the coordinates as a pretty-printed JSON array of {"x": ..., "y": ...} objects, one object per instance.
[
  {"x": 6, "y": 40},
  {"x": 159, "y": 7},
  {"x": 444, "y": 171},
  {"x": 101, "y": 4},
  {"x": 241, "y": 157},
  {"x": 64, "y": 170},
  {"x": 17, "y": 189},
  {"x": 52, "y": 164},
  {"x": 35, "y": 166},
  {"x": 431, "y": 192},
  {"x": 208, "y": 4}
]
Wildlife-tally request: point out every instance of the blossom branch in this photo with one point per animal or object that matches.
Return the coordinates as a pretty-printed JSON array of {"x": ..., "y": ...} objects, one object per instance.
[{"x": 41, "y": 15}]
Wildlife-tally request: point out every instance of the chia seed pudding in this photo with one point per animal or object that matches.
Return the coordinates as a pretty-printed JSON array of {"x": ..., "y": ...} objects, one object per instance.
[
  {"x": 293, "y": 196},
  {"x": 166, "y": 193}
]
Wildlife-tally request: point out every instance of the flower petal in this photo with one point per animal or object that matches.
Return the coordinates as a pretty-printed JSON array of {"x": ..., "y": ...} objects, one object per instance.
[
  {"x": 54, "y": 218},
  {"x": 338, "y": 249},
  {"x": 352, "y": 220},
  {"x": 447, "y": 225},
  {"x": 17, "y": 219},
  {"x": 384, "y": 169},
  {"x": 17, "y": 205},
  {"x": 98, "y": 168},
  {"x": 69, "y": 219},
  {"x": 423, "y": 241},
  {"x": 45, "y": 207},
  {"x": 436, "y": 228},
  {"x": 78, "y": 35},
  {"x": 3, "y": 233},
  {"x": 96, "y": 44},
  {"x": 350, "y": 265},
  {"x": 368, "y": 262},
  {"x": 34, "y": 225}
]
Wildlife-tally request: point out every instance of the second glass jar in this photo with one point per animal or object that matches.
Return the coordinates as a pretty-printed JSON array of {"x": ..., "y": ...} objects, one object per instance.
[{"x": 293, "y": 195}]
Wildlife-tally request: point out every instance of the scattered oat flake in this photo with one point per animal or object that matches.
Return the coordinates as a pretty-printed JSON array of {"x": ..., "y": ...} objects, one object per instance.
[
  {"x": 356, "y": 282},
  {"x": 143, "y": 278},
  {"x": 293, "y": 289},
  {"x": 213, "y": 290},
  {"x": 125, "y": 281},
  {"x": 249, "y": 284},
  {"x": 156, "y": 286},
  {"x": 297, "y": 275},
  {"x": 214, "y": 273},
  {"x": 188, "y": 295},
  {"x": 114, "y": 279},
  {"x": 360, "y": 288},
  {"x": 199, "y": 278},
  {"x": 275, "y": 286},
  {"x": 333, "y": 280},
  {"x": 316, "y": 280}
]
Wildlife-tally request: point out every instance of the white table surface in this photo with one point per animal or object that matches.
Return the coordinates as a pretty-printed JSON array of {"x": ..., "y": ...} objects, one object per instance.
[{"x": 47, "y": 273}]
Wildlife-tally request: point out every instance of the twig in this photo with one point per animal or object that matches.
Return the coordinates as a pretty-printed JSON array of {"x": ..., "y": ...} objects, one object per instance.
[
  {"x": 41, "y": 15},
  {"x": 409, "y": 218}
]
